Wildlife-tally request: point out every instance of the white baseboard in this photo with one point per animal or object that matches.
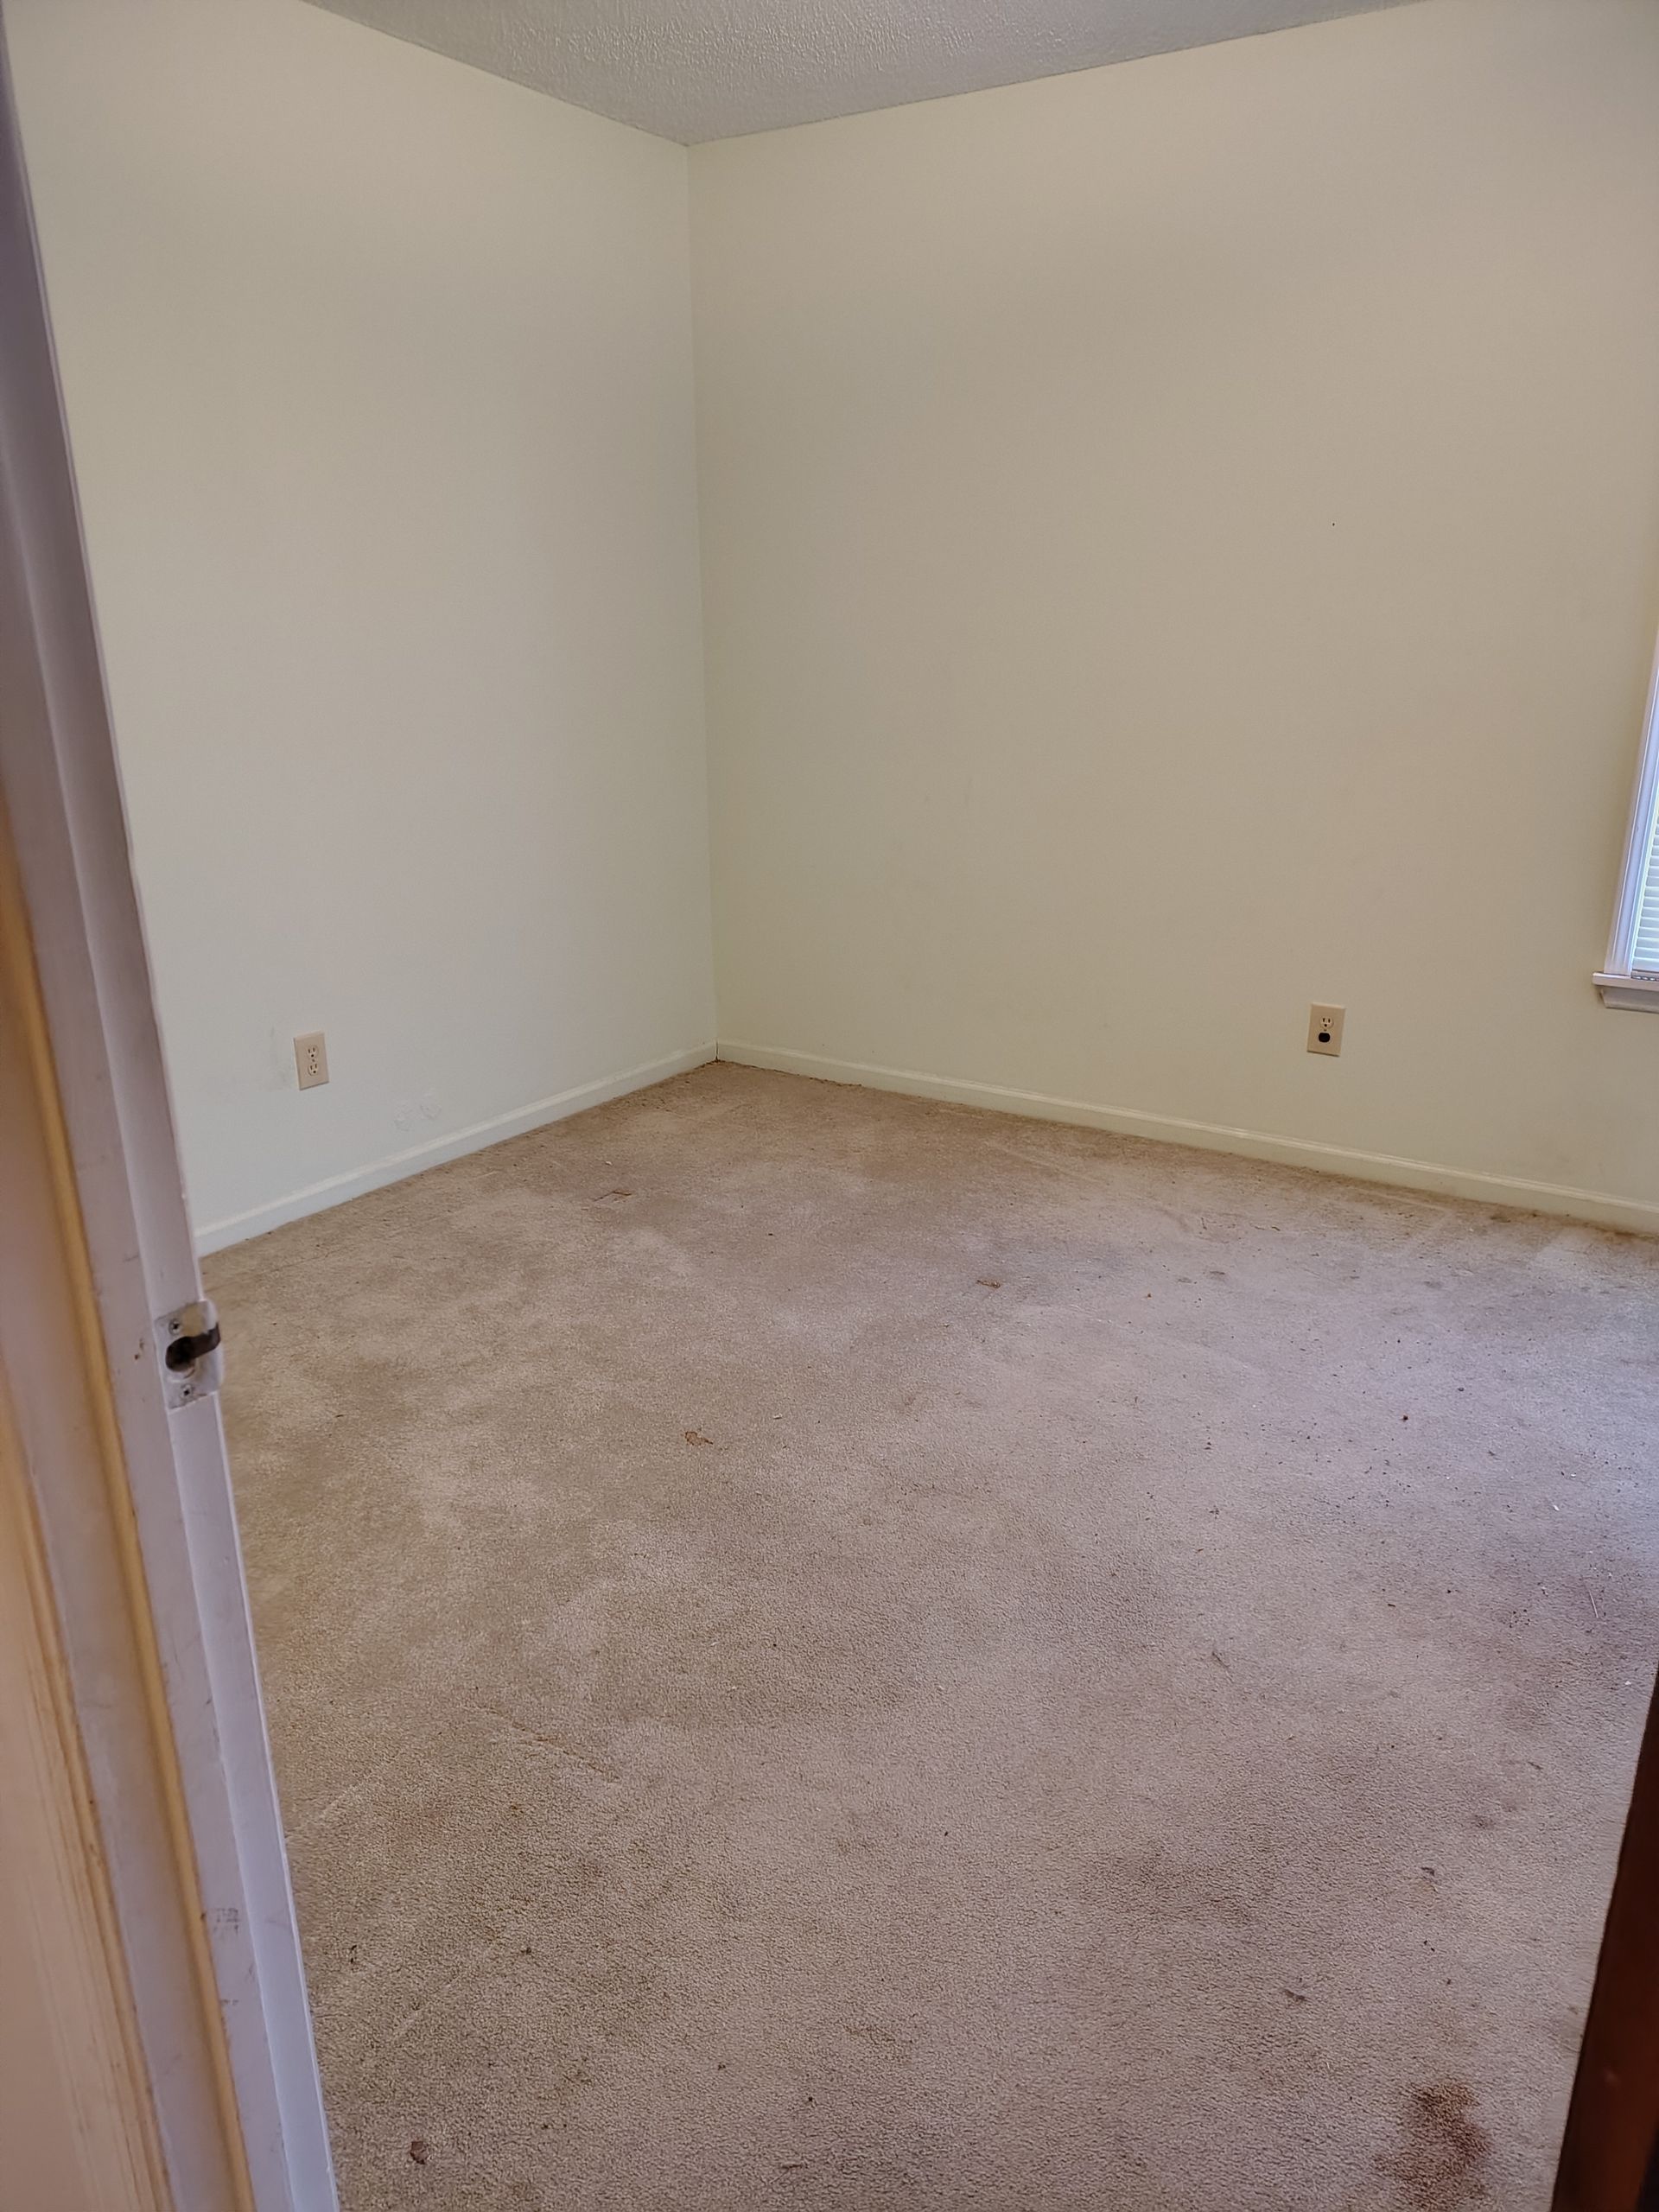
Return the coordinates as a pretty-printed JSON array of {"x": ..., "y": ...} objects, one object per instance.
[
  {"x": 1600, "y": 1207},
  {"x": 334, "y": 1190}
]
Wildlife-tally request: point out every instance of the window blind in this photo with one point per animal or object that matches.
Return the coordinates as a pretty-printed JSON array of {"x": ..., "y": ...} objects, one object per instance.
[{"x": 1645, "y": 945}]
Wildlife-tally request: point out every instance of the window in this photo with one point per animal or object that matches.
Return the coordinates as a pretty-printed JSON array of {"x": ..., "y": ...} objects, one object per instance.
[{"x": 1631, "y": 975}]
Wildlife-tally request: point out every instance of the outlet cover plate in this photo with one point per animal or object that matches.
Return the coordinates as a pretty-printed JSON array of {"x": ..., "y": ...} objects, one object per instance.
[
  {"x": 1325, "y": 1029},
  {"x": 311, "y": 1058}
]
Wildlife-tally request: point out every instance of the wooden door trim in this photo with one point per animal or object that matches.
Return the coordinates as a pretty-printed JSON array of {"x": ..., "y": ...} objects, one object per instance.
[
  {"x": 1609, "y": 2154},
  {"x": 75, "y": 2110}
]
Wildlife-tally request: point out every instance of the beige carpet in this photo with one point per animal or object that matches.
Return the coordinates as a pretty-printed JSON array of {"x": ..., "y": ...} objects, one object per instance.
[{"x": 831, "y": 1652}]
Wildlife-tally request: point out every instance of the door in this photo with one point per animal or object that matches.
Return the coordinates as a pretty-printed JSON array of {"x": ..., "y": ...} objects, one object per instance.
[{"x": 169, "y": 1860}]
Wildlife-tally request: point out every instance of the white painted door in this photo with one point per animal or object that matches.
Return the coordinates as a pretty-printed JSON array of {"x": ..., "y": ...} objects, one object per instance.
[{"x": 131, "y": 1493}]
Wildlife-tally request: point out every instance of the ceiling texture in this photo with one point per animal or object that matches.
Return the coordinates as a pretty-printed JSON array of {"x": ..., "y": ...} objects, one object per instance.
[{"x": 700, "y": 69}]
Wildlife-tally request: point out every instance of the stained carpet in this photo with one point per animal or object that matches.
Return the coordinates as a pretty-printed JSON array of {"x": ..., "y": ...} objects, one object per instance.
[{"x": 832, "y": 1654}]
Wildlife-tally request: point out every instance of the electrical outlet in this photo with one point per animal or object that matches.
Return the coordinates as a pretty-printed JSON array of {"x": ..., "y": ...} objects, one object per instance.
[
  {"x": 1325, "y": 1029},
  {"x": 311, "y": 1058}
]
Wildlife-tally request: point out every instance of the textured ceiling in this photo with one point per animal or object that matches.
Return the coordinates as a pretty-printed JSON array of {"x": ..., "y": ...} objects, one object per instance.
[{"x": 699, "y": 69}]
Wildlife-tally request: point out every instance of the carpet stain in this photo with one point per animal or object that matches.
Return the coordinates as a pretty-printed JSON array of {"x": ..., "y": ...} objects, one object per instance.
[{"x": 1445, "y": 2161}]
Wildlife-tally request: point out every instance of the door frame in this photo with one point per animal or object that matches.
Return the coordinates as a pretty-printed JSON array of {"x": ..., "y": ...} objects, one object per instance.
[
  {"x": 176, "y": 1752},
  {"x": 1610, "y": 2152}
]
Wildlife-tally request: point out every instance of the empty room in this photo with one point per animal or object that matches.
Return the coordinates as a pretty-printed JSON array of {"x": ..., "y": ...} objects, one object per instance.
[{"x": 893, "y": 781}]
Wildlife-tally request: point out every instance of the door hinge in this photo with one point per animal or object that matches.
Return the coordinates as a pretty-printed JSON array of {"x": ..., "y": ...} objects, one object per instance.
[{"x": 192, "y": 1362}]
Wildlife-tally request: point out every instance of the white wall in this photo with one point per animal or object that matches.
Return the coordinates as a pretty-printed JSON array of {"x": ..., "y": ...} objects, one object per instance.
[
  {"x": 378, "y": 378},
  {"x": 1181, "y": 542}
]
